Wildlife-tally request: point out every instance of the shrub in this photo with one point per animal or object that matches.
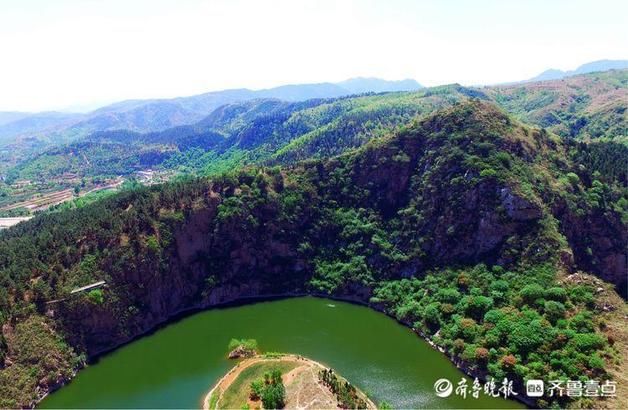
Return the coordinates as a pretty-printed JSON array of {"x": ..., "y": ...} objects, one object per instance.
[
  {"x": 469, "y": 329},
  {"x": 596, "y": 362},
  {"x": 488, "y": 173},
  {"x": 582, "y": 322},
  {"x": 554, "y": 311},
  {"x": 477, "y": 306},
  {"x": 257, "y": 386},
  {"x": 585, "y": 342},
  {"x": 447, "y": 308},
  {"x": 432, "y": 314},
  {"x": 581, "y": 294},
  {"x": 247, "y": 344},
  {"x": 152, "y": 243},
  {"x": 557, "y": 294},
  {"x": 573, "y": 178},
  {"x": 448, "y": 295},
  {"x": 525, "y": 337},
  {"x": 531, "y": 293},
  {"x": 270, "y": 389},
  {"x": 458, "y": 346},
  {"x": 481, "y": 354},
  {"x": 499, "y": 286},
  {"x": 96, "y": 296},
  {"x": 494, "y": 316},
  {"x": 508, "y": 362}
]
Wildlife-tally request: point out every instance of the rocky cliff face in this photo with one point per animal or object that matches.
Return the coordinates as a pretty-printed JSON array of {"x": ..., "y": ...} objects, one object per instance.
[
  {"x": 447, "y": 206},
  {"x": 598, "y": 240},
  {"x": 148, "y": 295}
]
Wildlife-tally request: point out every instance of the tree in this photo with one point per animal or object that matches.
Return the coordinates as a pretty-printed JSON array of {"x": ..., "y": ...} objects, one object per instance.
[
  {"x": 269, "y": 389},
  {"x": 477, "y": 306},
  {"x": 525, "y": 337},
  {"x": 274, "y": 396},
  {"x": 257, "y": 388}
]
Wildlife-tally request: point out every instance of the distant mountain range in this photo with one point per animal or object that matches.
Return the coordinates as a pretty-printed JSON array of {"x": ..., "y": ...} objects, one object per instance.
[
  {"x": 600, "y": 65},
  {"x": 160, "y": 114},
  {"x": 154, "y": 115},
  {"x": 273, "y": 131}
]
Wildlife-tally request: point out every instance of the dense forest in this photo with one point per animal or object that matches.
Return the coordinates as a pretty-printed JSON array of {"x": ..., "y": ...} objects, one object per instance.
[
  {"x": 270, "y": 131},
  {"x": 466, "y": 225}
]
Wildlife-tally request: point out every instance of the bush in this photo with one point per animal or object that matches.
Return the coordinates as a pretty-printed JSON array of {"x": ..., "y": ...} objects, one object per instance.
[
  {"x": 554, "y": 311},
  {"x": 274, "y": 396},
  {"x": 96, "y": 296},
  {"x": 247, "y": 344},
  {"x": 488, "y": 173},
  {"x": 581, "y": 294},
  {"x": 152, "y": 243},
  {"x": 585, "y": 342},
  {"x": 458, "y": 346},
  {"x": 448, "y": 295},
  {"x": 432, "y": 314},
  {"x": 481, "y": 355},
  {"x": 494, "y": 316},
  {"x": 469, "y": 329},
  {"x": 531, "y": 293},
  {"x": 557, "y": 294},
  {"x": 582, "y": 322},
  {"x": 573, "y": 178},
  {"x": 526, "y": 337},
  {"x": 257, "y": 387},
  {"x": 477, "y": 306},
  {"x": 508, "y": 362}
]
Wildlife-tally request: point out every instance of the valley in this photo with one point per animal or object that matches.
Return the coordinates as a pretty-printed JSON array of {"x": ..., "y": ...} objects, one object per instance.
[{"x": 466, "y": 225}]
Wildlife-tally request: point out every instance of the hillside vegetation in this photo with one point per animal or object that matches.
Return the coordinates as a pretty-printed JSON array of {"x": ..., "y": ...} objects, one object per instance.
[
  {"x": 465, "y": 224},
  {"x": 268, "y": 131},
  {"x": 583, "y": 107}
]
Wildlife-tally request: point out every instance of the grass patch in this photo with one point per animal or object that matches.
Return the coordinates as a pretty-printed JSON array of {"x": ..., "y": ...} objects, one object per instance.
[
  {"x": 236, "y": 395},
  {"x": 213, "y": 400}
]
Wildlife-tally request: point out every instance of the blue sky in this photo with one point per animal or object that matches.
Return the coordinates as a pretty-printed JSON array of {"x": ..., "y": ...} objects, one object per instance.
[{"x": 75, "y": 53}]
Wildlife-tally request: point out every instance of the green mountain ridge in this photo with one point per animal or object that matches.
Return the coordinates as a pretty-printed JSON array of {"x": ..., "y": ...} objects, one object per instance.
[
  {"x": 587, "y": 107},
  {"x": 159, "y": 114}
]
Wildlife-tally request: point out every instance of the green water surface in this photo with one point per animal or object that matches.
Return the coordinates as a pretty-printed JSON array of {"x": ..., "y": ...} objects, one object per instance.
[{"x": 175, "y": 366}]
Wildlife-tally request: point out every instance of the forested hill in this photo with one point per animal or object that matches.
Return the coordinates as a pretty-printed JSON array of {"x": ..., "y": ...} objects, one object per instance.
[
  {"x": 466, "y": 225},
  {"x": 270, "y": 131},
  {"x": 582, "y": 107},
  {"x": 159, "y": 114}
]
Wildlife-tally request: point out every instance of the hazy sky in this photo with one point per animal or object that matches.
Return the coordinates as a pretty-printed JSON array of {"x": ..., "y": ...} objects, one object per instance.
[{"x": 57, "y": 54}]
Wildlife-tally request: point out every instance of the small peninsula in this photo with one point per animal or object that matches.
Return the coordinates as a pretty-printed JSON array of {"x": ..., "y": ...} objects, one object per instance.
[{"x": 277, "y": 380}]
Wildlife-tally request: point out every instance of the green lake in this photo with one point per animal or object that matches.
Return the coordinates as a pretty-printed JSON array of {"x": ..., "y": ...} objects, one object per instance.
[{"x": 176, "y": 365}]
